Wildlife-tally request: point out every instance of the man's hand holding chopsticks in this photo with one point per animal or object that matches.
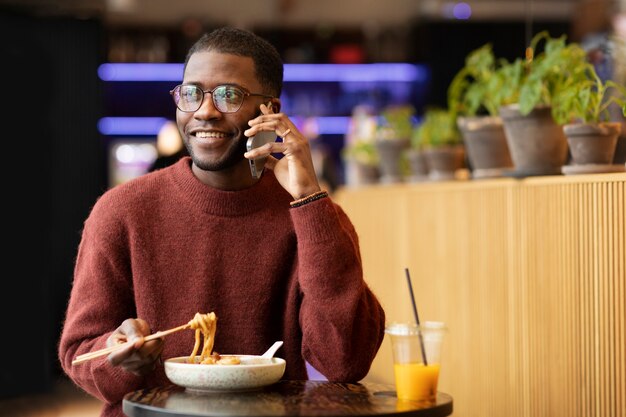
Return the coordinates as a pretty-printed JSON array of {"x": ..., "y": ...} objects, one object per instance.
[{"x": 139, "y": 357}]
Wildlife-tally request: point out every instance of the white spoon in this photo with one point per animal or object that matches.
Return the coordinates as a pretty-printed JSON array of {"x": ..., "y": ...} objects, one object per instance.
[{"x": 269, "y": 354}]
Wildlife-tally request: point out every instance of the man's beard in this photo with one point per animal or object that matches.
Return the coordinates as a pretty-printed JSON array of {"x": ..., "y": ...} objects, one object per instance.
[{"x": 232, "y": 157}]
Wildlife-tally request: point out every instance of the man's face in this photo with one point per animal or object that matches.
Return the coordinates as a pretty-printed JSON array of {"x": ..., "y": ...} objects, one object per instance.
[{"x": 215, "y": 140}]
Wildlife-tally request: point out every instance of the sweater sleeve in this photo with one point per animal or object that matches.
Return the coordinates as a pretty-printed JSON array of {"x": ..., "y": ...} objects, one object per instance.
[
  {"x": 341, "y": 319},
  {"x": 99, "y": 300}
]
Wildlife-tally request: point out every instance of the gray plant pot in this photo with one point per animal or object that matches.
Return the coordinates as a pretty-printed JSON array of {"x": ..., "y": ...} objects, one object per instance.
[
  {"x": 444, "y": 161},
  {"x": 366, "y": 174},
  {"x": 591, "y": 143},
  {"x": 418, "y": 165},
  {"x": 537, "y": 144},
  {"x": 390, "y": 154},
  {"x": 485, "y": 142}
]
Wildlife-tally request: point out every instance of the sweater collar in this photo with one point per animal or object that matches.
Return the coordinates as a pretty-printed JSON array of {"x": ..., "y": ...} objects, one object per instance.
[{"x": 219, "y": 202}]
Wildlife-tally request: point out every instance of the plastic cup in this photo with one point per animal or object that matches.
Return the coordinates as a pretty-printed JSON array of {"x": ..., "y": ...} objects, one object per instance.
[{"x": 415, "y": 380}]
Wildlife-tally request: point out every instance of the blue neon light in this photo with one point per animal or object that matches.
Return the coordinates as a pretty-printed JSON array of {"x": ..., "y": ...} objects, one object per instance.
[
  {"x": 150, "y": 126},
  {"x": 353, "y": 72},
  {"x": 121, "y": 126},
  {"x": 140, "y": 72},
  {"x": 329, "y": 125},
  {"x": 402, "y": 72}
]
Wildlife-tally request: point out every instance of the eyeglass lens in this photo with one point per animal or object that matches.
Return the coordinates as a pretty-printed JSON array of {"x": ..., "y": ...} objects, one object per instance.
[{"x": 226, "y": 98}]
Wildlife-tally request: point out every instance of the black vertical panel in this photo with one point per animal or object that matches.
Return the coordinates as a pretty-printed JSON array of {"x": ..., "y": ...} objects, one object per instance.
[{"x": 53, "y": 171}]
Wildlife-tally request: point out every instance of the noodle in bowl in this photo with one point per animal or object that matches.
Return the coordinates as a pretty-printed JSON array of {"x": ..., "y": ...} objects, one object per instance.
[{"x": 253, "y": 372}]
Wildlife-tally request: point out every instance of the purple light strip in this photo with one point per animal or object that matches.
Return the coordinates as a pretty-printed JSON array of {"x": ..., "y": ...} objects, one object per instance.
[
  {"x": 120, "y": 126},
  {"x": 332, "y": 125},
  {"x": 402, "y": 72},
  {"x": 150, "y": 126},
  {"x": 354, "y": 72},
  {"x": 140, "y": 72}
]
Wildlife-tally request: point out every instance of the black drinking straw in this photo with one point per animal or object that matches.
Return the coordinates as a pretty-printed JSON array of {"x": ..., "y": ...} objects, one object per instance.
[{"x": 417, "y": 319}]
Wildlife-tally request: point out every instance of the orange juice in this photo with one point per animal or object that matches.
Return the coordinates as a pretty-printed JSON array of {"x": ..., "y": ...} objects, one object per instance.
[{"x": 416, "y": 381}]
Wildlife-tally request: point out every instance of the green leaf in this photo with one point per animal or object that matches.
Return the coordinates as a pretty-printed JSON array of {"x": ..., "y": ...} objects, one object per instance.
[
  {"x": 470, "y": 91},
  {"x": 530, "y": 96},
  {"x": 438, "y": 128}
]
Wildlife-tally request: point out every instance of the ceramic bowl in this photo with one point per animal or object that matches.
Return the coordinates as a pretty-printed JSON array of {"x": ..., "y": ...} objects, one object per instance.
[{"x": 253, "y": 372}]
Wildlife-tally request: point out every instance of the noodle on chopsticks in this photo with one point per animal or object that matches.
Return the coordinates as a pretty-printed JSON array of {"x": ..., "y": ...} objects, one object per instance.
[{"x": 205, "y": 325}]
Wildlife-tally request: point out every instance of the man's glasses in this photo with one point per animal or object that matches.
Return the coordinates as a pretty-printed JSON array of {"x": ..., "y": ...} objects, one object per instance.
[{"x": 226, "y": 98}]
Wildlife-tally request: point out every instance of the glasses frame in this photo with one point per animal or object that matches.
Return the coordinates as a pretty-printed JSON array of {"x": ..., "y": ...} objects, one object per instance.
[{"x": 244, "y": 92}]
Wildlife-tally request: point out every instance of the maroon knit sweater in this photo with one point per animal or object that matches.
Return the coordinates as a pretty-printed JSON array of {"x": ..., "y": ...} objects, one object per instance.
[{"x": 164, "y": 246}]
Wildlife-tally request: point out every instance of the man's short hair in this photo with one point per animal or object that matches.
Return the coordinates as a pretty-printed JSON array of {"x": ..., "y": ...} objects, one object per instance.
[{"x": 268, "y": 64}]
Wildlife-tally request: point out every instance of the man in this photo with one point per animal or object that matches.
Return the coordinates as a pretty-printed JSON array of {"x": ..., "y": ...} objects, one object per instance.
[{"x": 274, "y": 258}]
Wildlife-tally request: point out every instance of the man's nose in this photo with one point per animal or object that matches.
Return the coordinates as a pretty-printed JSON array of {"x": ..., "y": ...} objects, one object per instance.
[{"x": 207, "y": 109}]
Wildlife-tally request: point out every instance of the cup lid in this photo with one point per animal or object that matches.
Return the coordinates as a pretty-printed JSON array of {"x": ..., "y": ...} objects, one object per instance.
[{"x": 408, "y": 329}]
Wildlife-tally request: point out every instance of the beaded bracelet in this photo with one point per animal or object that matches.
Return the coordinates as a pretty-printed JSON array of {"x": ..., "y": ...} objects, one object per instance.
[{"x": 304, "y": 200}]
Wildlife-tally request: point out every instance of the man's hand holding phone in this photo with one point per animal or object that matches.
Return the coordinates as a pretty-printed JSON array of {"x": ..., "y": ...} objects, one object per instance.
[
  {"x": 256, "y": 141},
  {"x": 295, "y": 171}
]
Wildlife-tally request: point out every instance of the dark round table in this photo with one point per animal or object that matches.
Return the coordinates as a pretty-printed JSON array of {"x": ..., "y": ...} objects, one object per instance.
[{"x": 285, "y": 398}]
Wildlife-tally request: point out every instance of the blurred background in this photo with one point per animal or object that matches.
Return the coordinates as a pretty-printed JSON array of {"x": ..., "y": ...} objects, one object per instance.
[{"x": 86, "y": 107}]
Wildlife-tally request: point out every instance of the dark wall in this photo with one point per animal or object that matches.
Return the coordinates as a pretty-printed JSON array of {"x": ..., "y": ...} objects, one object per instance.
[
  {"x": 443, "y": 45},
  {"x": 53, "y": 171}
]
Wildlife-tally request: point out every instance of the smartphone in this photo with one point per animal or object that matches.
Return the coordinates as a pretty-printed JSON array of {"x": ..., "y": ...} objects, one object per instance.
[{"x": 260, "y": 139}]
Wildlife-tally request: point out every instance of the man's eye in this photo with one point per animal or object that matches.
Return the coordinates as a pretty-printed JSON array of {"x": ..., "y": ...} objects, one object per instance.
[
  {"x": 229, "y": 93},
  {"x": 188, "y": 91}
]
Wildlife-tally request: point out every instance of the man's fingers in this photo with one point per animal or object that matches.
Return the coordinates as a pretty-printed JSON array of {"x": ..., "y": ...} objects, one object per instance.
[
  {"x": 266, "y": 150},
  {"x": 152, "y": 349},
  {"x": 121, "y": 355}
]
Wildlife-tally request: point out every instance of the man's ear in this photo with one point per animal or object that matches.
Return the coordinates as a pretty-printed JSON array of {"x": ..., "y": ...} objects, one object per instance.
[{"x": 274, "y": 105}]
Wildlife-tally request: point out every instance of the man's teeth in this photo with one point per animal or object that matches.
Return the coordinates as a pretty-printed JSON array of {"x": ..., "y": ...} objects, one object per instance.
[{"x": 210, "y": 135}]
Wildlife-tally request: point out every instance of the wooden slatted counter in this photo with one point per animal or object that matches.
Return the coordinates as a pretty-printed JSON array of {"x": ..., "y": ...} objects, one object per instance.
[{"x": 529, "y": 276}]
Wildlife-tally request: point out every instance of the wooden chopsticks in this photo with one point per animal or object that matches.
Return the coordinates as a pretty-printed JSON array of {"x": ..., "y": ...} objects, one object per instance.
[{"x": 102, "y": 352}]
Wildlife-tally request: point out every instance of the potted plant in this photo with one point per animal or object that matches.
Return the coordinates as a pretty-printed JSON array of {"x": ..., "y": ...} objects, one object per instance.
[
  {"x": 416, "y": 159},
  {"x": 582, "y": 107},
  {"x": 362, "y": 155},
  {"x": 473, "y": 97},
  {"x": 359, "y": 153},
  {"x": 536, "y": 142},
  {"x": 440, "y": 138},
  {"x": 393, "y": 137}
]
